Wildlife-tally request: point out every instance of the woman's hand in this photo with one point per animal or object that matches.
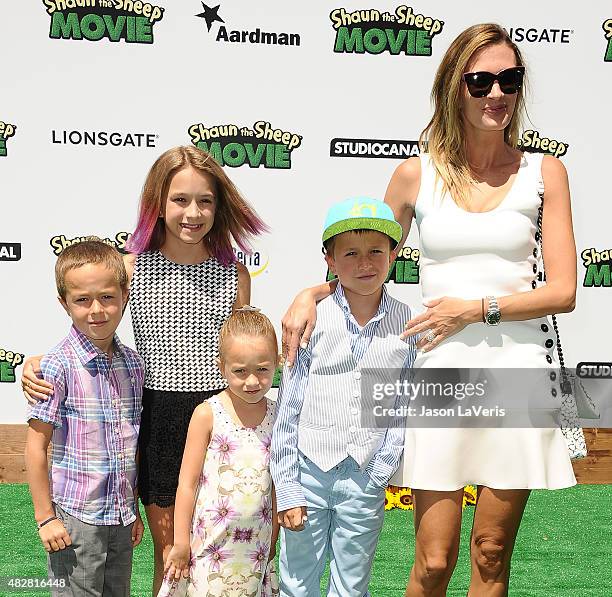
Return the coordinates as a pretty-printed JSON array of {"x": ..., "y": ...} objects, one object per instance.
[
  {"x": 34, "y": 388},
  {"x": 298, "y": 323},
  {"x": 177, "y": 562},
  {"x": 444, "y": 317}
]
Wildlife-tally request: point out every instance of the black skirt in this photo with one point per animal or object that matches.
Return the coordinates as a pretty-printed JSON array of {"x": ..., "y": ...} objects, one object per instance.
[{"x": 163, "y": 432}]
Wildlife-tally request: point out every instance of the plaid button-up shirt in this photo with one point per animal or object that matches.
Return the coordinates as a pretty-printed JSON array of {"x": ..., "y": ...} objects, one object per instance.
[{"x": 95, "y": 411}]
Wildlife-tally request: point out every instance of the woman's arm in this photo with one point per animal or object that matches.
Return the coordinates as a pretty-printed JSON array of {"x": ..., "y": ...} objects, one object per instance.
[
  {"x": 402, "y": 193},
  {"x": 300, "y": 319},
  {"x": 198, "y": 438},
  {"x": 558, "y": 249},
  {"x": 446, "y": 316},
  {"x": 243, "y": 295}
]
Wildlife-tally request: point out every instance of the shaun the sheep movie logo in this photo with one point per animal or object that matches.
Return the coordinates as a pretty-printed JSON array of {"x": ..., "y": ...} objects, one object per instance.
[
  {"x": 6, "y": 132},
  {"x": 236, "y": 146},
  {"x": 607, "y": 27},
  {"x": 597, "y": 264},
  {"x": 374, "y": 32},
  {"x": 9, "y": 359},
  {"x": 532, "y": 142},
  {"x": 93, "y": 20},
  {"x": 60, "y": 242},
  {"x": 404, "y": 270}
]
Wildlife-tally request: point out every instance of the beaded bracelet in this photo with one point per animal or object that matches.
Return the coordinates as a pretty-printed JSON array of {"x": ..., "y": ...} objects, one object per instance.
[{"x": 44, "y": 522}]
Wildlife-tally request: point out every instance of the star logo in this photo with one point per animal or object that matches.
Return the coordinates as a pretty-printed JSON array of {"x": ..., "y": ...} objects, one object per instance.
[{"x": 211, "y": 15}]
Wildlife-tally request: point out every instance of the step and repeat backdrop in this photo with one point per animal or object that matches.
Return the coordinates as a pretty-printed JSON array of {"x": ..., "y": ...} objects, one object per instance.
[{"x": 303, "y": 103}]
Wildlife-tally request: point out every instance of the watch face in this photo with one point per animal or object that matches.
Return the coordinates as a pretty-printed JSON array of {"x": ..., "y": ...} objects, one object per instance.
[{"x": 494, "y": 317}]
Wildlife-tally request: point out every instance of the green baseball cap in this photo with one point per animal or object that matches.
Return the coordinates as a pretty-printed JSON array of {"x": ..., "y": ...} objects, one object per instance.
[{"x": 361, "y": 213}]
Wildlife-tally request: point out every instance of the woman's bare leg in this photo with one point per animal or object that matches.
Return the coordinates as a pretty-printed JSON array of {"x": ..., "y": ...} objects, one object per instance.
[
  {"x": 496, "y": 523},
  {"x": 437, "y": 523}
]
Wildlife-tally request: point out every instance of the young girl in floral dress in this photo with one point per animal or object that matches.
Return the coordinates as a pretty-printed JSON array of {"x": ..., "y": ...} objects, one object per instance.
[{"x": 225, "y": 526}]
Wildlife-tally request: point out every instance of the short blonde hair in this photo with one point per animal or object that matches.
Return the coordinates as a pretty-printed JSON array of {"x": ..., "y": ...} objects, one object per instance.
[
  {"x": 247, "y": 323},
  {"x": 92, "y": 250},
  {"x": 444, "y": 136}
]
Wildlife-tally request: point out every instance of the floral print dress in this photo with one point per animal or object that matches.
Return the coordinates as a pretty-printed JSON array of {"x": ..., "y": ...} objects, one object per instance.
[{"x": 232, "y": 520}]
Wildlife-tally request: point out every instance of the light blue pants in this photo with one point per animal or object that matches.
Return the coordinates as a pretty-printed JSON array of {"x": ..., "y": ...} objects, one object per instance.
[{"x": 345, "y": 516}]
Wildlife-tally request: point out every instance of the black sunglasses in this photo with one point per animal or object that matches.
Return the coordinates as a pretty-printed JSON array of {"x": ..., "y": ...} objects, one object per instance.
[{"x": 480, "y": 84}]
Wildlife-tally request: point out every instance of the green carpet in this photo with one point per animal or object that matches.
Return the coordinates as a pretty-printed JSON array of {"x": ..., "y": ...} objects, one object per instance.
[{"x": 564, "y": 547}]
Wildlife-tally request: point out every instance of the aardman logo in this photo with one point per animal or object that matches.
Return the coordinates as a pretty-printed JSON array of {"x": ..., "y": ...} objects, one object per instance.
[
  {"x": 532, "y": 142},
  {"x": 235, "y": 146},
  {"x": 6, "y": 132},
  {"x": 9, "y": 360},
  {"x": 607, "y": 27},
  {"x": 373, "y": 32},
  {"x": 60, "y": 242},
  {"x": 404, "y": 270},
  {"x": 127, "y": 20},
  {"x": 597, "y": 264},
  {"x": 257, "y": 262},
  {"x": 210, "y": 14}
]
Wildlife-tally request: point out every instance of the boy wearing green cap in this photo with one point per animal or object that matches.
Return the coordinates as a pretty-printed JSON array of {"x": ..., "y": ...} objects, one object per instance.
[{"x": 330, "y": 467}]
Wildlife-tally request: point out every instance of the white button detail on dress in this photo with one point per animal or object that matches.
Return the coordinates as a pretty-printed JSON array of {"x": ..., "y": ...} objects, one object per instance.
[
  {"x": 353, "y": 429},
  {"x": 357, "y": 374},
  {"x": 356, "y": 394}
]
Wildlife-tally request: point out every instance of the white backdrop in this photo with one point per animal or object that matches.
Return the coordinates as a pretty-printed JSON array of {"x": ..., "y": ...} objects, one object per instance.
[{"x": 55, "y": 181}]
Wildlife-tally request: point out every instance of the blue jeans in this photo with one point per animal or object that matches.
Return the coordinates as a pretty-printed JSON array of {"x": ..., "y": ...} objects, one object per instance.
[{"x": 345, "y": 517}]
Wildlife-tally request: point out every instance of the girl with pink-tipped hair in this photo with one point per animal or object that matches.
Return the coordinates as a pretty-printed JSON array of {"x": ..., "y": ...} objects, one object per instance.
[{"x": 184, "y": 283}]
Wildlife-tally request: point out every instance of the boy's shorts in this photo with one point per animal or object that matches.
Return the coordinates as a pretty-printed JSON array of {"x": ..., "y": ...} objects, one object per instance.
[{"x": 97, "y": 564}]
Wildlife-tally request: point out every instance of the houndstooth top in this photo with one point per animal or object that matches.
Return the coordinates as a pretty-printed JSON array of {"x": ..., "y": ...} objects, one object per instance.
[{"x": 177, "y": 312}]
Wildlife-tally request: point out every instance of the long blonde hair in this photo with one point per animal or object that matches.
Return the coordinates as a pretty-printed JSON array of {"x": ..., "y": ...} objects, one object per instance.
[{"x": 443, "y": 137}]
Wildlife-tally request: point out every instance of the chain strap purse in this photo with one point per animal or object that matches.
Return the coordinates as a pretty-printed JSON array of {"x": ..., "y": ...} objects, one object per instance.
[
  {"x": 572, "y": 390},
  {"x": 571, "y": 384}
]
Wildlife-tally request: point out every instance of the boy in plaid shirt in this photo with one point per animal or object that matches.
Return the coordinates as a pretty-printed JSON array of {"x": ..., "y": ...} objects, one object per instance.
[{"x": 86, "y": 509}]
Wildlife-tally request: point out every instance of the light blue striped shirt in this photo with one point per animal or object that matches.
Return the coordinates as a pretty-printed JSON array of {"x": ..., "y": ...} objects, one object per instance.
[{"x": 320, "y": 393}]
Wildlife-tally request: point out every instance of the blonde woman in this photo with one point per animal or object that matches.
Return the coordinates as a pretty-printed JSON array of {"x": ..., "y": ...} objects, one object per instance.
[{"x": 475, "y": 198}]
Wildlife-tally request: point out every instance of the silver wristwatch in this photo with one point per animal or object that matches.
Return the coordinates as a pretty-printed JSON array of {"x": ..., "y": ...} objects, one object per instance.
[{"x": 493, "y": 314}]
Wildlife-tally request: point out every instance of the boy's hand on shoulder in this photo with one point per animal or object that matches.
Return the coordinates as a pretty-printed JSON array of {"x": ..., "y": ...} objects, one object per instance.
[
  {"x": 293, "y": 519},
  {"x": 177, "y": 562},
  {"x": 54, "y": 536},
  {"x": 137, "y": 531}
]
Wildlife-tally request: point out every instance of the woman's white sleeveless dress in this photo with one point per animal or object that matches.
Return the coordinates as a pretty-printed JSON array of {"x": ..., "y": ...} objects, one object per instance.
[{"x": 472, "y": 255}]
